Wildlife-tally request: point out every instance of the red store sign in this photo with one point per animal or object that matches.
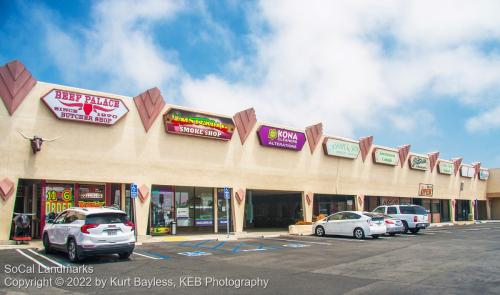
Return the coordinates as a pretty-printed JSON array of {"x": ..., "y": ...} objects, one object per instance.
[{"x": 74, "y": 106}]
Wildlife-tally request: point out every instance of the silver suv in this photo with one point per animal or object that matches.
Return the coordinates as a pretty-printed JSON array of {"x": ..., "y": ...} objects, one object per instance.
[
  {"x": 414, "y": 217},
  {"x": 87, "y": 231}
]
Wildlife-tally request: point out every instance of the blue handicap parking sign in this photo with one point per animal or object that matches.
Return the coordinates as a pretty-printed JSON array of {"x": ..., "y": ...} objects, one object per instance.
[
  {"x": 194, "y": 253},
  {"x": 133, "y": 190}
]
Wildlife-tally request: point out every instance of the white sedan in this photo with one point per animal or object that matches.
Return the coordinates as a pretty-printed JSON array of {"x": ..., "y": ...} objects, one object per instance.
[{"x": 357, "y": 224}]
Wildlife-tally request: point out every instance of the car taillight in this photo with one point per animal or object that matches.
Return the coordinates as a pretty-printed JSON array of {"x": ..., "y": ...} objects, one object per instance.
[
  {"x": 131, "y": 224},
  {"x": 388, "y": 221},
  {"x": 85, "y": 228},
  {"x": 415, "y": 218}
]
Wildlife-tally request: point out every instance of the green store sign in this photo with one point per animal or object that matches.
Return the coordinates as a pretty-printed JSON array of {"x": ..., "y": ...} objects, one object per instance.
[
  {"x": 484, "y": 174},
  {"x": 341, "y": 148},
  {"x": 386, "y": 157},
  {"x": 445, "y": 168},
  {"x": 419, "y": 163}
]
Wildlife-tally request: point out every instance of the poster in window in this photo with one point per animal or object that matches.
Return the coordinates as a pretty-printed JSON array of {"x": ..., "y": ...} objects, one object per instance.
[{"x": 58, "y": 197}]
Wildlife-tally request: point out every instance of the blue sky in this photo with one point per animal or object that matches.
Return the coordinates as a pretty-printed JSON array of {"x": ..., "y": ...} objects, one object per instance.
[{"x": 425, "y": 73}]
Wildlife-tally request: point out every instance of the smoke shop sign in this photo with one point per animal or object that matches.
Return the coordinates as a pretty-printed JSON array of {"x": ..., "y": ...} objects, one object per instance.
[
  {"x": 419, "y": 163},
  {"x": 74, "y": 106},
  {"x": 341, "y": 148},
  {"x": 386, "y": 157},
  {"x": 281, "y": 138},
  {"x": 198, "y": 124},
  {"x": 445, "y": 168}
]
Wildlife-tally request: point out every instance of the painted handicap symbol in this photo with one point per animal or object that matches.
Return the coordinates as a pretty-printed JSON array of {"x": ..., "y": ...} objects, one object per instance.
[
  {"x": 194, "y": 254},
  {"x": 295, "y": 245}
]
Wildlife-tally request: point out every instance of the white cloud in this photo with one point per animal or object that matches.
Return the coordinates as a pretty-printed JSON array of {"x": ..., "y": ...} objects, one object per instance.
[
  {"x": 349, "y": 64},
  {"x": 119, "y": 46},
  {"x": 485, "y": 121},
  {"x": 325, "y": 61}
]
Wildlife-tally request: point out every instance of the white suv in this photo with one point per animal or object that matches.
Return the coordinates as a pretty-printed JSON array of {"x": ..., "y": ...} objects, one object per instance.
[
  {"x": 414, "y": 217},
  {"x": 85, "y": 231}
]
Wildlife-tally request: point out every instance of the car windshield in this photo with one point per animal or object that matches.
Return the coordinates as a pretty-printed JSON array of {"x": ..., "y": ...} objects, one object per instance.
[{"x": 106, "y": 218}]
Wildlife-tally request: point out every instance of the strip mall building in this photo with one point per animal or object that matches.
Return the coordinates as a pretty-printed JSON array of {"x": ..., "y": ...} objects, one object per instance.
[{"x": 182, "y": 159}]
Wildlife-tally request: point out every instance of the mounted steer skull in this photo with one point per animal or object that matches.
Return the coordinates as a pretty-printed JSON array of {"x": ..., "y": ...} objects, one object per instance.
[{"x": 36, "y": 142}]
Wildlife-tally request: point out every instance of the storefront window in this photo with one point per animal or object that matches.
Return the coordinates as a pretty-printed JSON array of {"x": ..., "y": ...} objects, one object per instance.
[
  {"x": 58, "y": 197},
  {"x": 91, "y": 195},
  {"x": 462, "y": 210},
  {"x": 222, "y": 212},
  {"x": 116, "y": 195},
  {"x": 204, "y": 207},
  {"x": 162, "y": 209},
  {"x": 129, "y": 203},
  {"x": 184, "y": 206},
  {"x": 330, "y": 204}
]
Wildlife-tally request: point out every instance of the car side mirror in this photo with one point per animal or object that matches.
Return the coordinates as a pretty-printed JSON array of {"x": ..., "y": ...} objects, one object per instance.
[{"x": 50, "y": 221}]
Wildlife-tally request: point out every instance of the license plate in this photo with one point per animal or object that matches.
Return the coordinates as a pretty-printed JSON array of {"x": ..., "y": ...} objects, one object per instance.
[
  {"x": 420, "y": 225},
  {"x": 112, "y": 232}
]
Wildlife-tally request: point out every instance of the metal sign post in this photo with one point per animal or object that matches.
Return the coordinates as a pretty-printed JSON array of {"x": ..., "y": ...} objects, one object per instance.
[
  {"x": 227, "y": 196},
  {"x": 133, "y": 196}
]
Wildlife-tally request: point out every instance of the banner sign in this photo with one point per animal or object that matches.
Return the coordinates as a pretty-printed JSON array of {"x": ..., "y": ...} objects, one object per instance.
[
  {"x": 419, "y": 162},
  {"x": 425, "y": 190},
  {"x": 484, "y": 174},
  {"x": 281, "y": 138},
  {"x": 74, "y": 106},
  {"x": 386, "y": 157},
  {"x": 91, "y": 196},
  {"x": 341, "y": 148},
  {"x": 445, "y": 168},
  {"x": 198, "y": 124},
  {"x": 467, "y": 171},
  {"x": 59, "y": 197}
]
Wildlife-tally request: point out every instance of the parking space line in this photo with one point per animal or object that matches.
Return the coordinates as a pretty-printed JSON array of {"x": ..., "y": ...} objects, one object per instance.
[
  {"x": 32, "y": 259},
  {"x": 45, "y": 257},
  {"x": 147, "y": 256},
  {"x": 301, "y": 241}
]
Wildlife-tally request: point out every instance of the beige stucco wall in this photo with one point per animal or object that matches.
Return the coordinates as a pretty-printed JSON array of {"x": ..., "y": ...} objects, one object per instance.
[
  {"x": 125, "y": 153},
  {"x": 493, "y": 190}
]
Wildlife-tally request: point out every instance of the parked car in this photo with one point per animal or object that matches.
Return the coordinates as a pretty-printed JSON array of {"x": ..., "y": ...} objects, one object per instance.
[
  {"x": 82, "y": 232},
  {"x": 394, "y": 225},
  {"x": 414, "y": 217},
  {"x": 351, "y": 223}
]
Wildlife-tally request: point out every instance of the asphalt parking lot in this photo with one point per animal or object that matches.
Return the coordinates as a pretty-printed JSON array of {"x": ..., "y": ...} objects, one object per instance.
[{"x": 447, "y": 260}]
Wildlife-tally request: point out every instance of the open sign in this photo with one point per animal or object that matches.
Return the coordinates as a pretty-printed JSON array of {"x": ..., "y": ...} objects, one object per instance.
[{"x": 425, "y": 190}]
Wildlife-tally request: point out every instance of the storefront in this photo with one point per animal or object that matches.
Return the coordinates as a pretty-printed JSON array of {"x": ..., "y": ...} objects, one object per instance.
[
  {"x": 324, "y": 205},
  {"x": 191, "y": 208},
  {"x": 272, "y": 209},
  {"x": 463, "y": 210},
  {"x": 74, "y": 147},
  {"x": 45, "y": 199}
]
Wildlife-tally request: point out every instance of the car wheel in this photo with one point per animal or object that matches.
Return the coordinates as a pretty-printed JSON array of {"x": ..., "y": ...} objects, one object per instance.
[
  {"x": 414, "y": 230},
  {"x": 46, "y": 244},
  {"x": 125, "y": 255},
  {"x": 375, "y": 236},
  {"x": 359, "y": 233},
  {"x": 392, "y": 234},
  {"x": 405, "y": 224},
  {"x": 319, "y": 231},
  {"x": 72, "y": 251}
]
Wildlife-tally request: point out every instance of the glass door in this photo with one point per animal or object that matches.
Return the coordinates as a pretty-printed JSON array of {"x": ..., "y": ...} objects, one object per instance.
[
  {"x": 222, "y": 212},
  {"x": 162, "y": 210}
]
